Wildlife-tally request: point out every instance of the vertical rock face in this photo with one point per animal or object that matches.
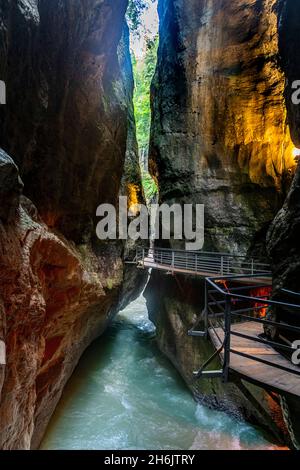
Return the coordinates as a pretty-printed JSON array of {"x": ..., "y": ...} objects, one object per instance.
[
  {"x": 219, "y": 134},
  {"x": 68, "y": 125},
  {"x": 284, "y": 234},
  {"x": 221, "y": 137},
  {"x": 66, "y": 119},
  {"x": 289, "y": 43}
]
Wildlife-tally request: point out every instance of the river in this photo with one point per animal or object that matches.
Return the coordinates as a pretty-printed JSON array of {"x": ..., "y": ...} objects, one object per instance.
[{"x": 125, "y": 394}]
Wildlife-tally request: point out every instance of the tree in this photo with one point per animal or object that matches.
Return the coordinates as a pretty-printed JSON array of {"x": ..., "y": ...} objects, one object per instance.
[
  {"x": 134, "y": 12},
  {"x": 143, "y": 73}
]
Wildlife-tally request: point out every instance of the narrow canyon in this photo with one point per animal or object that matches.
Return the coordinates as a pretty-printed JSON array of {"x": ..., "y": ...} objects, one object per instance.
[{"x": 225, "y": 132}]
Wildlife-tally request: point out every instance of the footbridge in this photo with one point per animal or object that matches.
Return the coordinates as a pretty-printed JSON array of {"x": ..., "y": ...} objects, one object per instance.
[
  {"x": 199, "y": 263},
  {"x": 252, "y": 334}
]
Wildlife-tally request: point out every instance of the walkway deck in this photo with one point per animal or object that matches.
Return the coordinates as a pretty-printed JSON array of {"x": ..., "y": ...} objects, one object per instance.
[
  {"x": 237, "y": 300},
  {"x": 202, "y": 264},
  {"x": 149, "y": 263},
  {"x": 258, "y": 373}
]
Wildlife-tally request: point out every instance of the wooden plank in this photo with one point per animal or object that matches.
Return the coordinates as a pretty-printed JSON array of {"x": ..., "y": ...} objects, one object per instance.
[
  {"x": 266, "y": 375},
  {"x": 255, "y": 351}
]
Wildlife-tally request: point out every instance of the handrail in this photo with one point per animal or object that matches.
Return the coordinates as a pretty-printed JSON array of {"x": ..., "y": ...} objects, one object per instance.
[
  {"x": 227, "y": 304},
  {"x": 213, "y": 280},
  {"x": 199, "y": 262}
]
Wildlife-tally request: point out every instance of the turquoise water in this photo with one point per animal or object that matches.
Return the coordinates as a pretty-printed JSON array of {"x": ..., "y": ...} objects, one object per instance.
[{"x": 125, "y": 395}]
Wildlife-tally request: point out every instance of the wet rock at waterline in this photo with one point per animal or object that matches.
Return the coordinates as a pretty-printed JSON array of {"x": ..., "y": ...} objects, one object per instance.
[
  {"x": 130, "y": 397},
  {"x": 174, "y": 312}
]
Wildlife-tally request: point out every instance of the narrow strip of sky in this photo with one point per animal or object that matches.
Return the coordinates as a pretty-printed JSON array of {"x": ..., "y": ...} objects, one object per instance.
[{"x": 148, "y": 29}]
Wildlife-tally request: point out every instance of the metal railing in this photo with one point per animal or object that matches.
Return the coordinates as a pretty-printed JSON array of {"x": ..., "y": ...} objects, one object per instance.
[
  {"x": 199, "y": 263},
  {"x": 228, "y": 303}
]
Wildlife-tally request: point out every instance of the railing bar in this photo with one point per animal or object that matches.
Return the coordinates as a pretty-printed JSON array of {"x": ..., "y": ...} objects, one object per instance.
[
  {"x": 249, "y": 287},
  {"x": 217, "y": 315},
  {"x": 252, "y": 299},
  {"x": 216, "y": 333},
  {"x": 212, "y": 312},
  {"x": 264, "y": 361},
  {"x": 268, "y": 302},
  {"x": 221, "y": 324},
  {"x": 256, "y": 339},
  {"x": 284, "y": 326},
  {"x": 245, "y": 310},
  {"x": 217, "y": 302},
  {"x": 224, "y": 301}
]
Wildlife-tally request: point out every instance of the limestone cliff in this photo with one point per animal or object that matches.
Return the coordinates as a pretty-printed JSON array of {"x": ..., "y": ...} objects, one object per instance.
[
  {"x": 221, "y": 137},
  {"x": 219, "y": 134},
  {"x": 68, "y": 126},
  {"x": 284, "y": 234}
]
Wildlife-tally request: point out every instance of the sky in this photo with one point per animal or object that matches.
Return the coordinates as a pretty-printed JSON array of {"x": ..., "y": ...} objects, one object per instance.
[{"x": 149, "y": 28}]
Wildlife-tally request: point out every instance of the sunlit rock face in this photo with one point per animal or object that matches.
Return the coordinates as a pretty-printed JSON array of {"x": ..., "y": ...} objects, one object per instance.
[
  {"x": 284, "y": 233},
  {"x": 220, "y": 135},
  {"x": 68, "y": 125}
]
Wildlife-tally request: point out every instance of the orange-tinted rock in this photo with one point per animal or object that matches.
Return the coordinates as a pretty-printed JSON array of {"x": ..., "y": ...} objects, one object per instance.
[
  {"x": 54, "y": 304},
  {"x": 220, "y": 134},
  {"x": 69, "y": 126},
  {"x": 221, "y": 137}
]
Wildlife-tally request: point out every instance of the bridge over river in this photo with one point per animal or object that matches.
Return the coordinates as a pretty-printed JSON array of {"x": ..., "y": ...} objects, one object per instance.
[{"x": 240, "y": 318}]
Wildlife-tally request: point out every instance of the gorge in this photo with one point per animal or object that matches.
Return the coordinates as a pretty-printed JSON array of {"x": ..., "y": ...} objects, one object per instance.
[{"x": 224, "y": 132}]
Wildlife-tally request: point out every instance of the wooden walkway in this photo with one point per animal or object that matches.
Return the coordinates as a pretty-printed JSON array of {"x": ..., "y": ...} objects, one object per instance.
[
  {"x": 258, "y": 373},
  {"x": 149, "y": 263},
  {"x": 236, "y": 290}
]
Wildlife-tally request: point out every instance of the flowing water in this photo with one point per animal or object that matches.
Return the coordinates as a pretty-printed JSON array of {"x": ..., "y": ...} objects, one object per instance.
[{"x": 125, "y": 395}]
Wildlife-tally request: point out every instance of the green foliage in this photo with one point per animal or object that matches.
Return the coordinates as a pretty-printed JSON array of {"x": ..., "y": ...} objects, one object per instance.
[
  {"x": 134, "y": 11},
  {"x": 150, "y": 188},
  {"x": 143, "y": 74}
]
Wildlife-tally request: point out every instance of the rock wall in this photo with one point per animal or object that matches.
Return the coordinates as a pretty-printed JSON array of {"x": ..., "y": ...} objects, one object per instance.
[
  {"x": 219, "y": 134},
  {"x": 284, "y": 234},
  {"x": 221, "y": 137},
  {"x": 69, "y": 127}
]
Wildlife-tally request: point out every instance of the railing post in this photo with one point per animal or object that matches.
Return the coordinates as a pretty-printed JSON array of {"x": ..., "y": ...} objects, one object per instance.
[
  {"x": 222, "y": 265},
  {"x": 227, "y": 341},
  {"x": 173, "y": 261},
  {"x": 252, "y": 267},
  {"x": 196, "y": 263},
  {"x": 143, "y": 254},
  {"x": 206, "y": 309}
]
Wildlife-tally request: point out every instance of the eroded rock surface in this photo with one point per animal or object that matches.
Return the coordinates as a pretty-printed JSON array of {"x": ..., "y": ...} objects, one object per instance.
[
  {"x": 68, "y": 125},
  {"x": 221, "y": 137},
  {"x": 219, "y": 134},
  {"x": 284, "y": 234}
]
